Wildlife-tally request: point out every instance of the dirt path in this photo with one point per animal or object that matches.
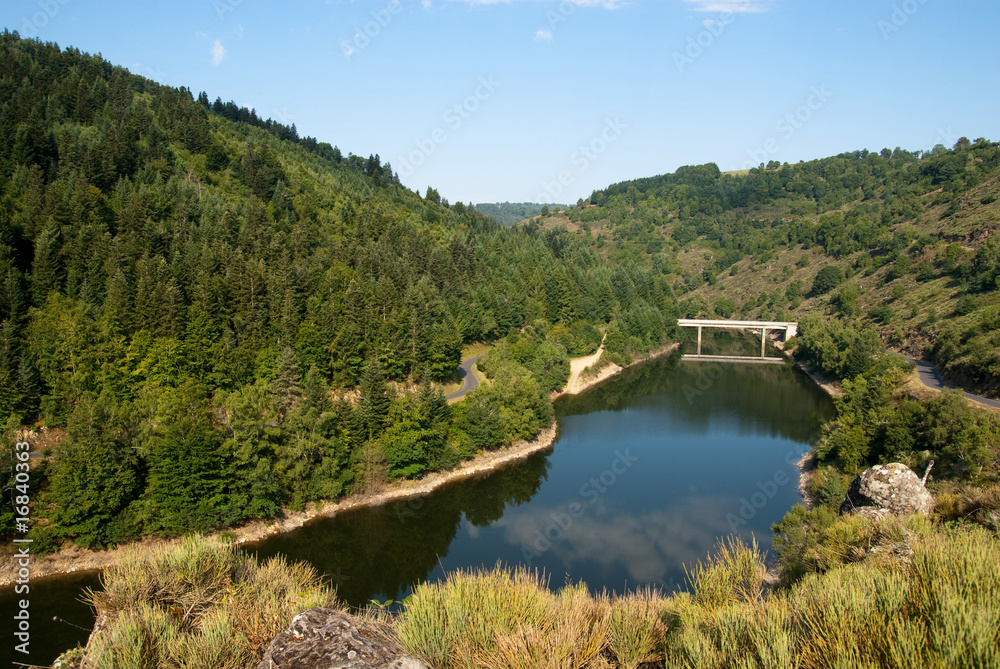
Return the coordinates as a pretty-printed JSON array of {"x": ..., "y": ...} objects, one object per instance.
[{"x": 576, "y": 368}]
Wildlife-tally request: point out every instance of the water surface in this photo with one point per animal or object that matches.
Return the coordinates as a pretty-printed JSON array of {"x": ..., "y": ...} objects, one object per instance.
[{"x": 650, "y": 470}]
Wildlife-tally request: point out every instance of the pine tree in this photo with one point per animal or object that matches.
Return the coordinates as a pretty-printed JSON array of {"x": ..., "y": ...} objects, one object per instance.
[
  {"x": 285, "y": 389},
  {"x": 316, "y": 392},
  {"x": 373, "y": 409},
  {"x": 188, "y": 468},
  {"x": 96, "y": 473}
]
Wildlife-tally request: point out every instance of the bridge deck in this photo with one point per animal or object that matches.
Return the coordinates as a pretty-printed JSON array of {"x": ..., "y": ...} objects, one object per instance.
[
  {"x": 791, "y": 329},
  {"x": 715, "y": 323},
  {"x": 731, "y": 358}
]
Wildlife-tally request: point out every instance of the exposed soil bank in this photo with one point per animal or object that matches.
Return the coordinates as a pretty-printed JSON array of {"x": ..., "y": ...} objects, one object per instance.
[
  {"x": 75, "y": 559},
  {"x": 807, "y": 465},
  {"x": 579, "y": 383}
]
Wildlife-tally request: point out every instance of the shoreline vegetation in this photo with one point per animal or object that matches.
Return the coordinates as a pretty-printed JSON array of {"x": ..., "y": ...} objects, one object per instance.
[
  {"x": 76, "y": 559},
  {"x": 807, "y": 463}
]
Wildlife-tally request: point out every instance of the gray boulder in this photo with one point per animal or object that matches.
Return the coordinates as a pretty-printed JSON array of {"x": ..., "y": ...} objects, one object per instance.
[
  {"x": 887, "y": 490},
  {"x": 322, "y": 638}
]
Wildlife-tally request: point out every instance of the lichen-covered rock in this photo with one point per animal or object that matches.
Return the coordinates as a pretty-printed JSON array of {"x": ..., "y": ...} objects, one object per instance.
[
  {"x": 887, "y": 489},
  {"x": 322, "y": 638}
]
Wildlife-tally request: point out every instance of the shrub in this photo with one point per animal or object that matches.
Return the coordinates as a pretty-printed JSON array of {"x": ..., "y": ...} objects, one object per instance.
[
  {"x": 882, "y": 314},
  {"x": 965, "y": 306},
  {"x": 826, "y": 280},
  {"x": 734, "y": 574},
  {"x": 199, "y": 603},
  {"x": 830, "y": 487},
  {"x": 635, "y": 628},
  {"x": 457, "y": 623}
]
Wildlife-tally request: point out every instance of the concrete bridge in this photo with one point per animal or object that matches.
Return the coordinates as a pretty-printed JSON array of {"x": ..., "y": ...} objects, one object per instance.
[{"x": 790, "y": 329}]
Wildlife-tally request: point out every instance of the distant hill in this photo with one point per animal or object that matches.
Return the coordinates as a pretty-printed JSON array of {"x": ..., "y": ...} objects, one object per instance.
[
  {"x": 509, "y": 213},
  {"x": 910, "y": 239}
]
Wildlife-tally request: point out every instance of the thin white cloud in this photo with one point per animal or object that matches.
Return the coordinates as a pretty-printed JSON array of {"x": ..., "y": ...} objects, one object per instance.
[
  {"x": 543, "y": 34},
  {"x": 731, "y": 6},
  {"x": 218, "y": 53}
]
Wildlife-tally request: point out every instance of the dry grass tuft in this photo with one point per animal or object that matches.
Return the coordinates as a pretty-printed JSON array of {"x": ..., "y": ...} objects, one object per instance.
[
  {"x": 206, "y": 605},
  {"x": 199, "y": 604}
]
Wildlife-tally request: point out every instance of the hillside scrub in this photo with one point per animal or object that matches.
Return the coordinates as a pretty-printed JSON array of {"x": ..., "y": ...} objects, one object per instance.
[
  {"x": 936, "y": 605},
  {"x": 934, "y": 600},
  {"x": 878, "y": 422},
  {"x": 199, "y": 603},
  {"x": 905, "y": 241}
]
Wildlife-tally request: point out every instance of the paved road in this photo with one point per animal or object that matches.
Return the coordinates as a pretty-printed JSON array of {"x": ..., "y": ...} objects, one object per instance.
[
  {"x": 930, "y": 378},
  {"x": 470, "y": 380}
]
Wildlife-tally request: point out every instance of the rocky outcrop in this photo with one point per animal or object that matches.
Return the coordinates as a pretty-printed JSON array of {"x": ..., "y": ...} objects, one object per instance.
[
  {"x": 887, "y": 490},
  {"x": 322, "y": 638}
]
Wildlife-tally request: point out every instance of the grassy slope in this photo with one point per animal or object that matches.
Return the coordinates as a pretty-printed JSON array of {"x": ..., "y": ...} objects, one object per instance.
[
  {"x": 911, "y": 598},
  {"x": 920, "y": 310}
]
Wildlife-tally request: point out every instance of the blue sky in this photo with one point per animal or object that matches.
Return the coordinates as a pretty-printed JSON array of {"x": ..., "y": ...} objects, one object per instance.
[{"x": 546, "y": 100}]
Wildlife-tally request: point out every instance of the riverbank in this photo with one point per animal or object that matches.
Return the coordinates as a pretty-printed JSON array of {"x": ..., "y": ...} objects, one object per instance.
[
  {"x": 826, "y": 384},
  {"x": 807, "y": 463},
  {"x": 579, "y": 380},
  {"x": 76, "y": 559}
]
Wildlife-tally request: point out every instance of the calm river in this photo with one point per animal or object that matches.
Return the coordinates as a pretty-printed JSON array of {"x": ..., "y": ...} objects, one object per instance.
[{"x": 650, "y": 471}]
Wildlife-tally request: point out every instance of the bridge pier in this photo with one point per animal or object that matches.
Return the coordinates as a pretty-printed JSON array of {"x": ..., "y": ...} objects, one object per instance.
[{"x": 790, "y": 330}]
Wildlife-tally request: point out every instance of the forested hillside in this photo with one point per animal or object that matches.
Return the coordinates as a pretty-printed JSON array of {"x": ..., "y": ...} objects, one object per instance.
[
  {"x": 904, "y": 241},
  {"x": 222, "y": 318}
]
